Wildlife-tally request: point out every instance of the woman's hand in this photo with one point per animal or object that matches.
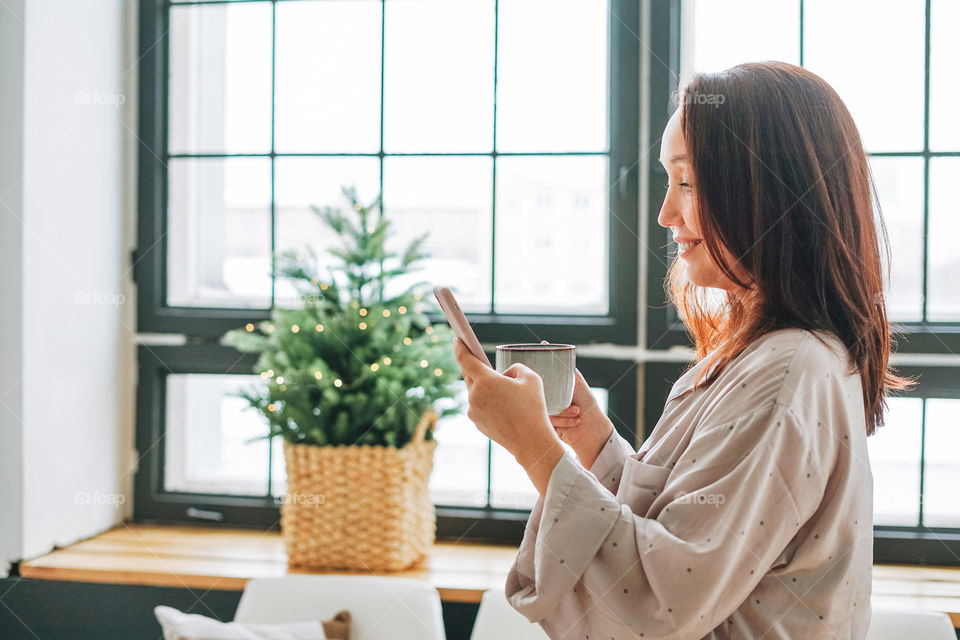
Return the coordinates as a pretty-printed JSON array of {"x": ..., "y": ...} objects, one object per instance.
[
  {"x": 509, "y": 408},
  {"x": 583, "y": 425}
]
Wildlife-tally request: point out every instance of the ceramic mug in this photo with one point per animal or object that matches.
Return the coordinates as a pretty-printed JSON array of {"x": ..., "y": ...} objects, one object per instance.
[{"x": 556, "y": 364}]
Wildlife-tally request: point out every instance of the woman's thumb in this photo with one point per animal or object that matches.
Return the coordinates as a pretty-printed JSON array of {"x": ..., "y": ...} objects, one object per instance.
[{"x": 519, "y": 371}]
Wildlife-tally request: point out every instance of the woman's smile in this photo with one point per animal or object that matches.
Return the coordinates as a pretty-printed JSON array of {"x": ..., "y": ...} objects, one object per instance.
[{"x": 687, "y": 246}]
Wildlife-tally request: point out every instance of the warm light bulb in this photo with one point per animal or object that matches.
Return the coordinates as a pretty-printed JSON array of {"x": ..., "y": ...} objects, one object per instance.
[
  {"x": 283, "y": 387},
  {"x": 271, "y": 407},
  {"x": 249, "y": 327},
  {"x": 363, "y": 325},
  {"x": 438, "y": 372},
  {"x": 269, "y": 373},
  {"x": 407, "y": 341},
  {"x": 386, "y": 313},
  {"x": 363, "y": 312},
  {"x": 323, "y": 286},
  {"x": 318, "y": 375},
  {"x": 319, "y": 328},
  {"x": 338, "y": 382},
  {"x": 424, "y": 363},
  {"x": 402, "y": 310},
  {"x": 387, "y": 360},
  {"x": 280, "y": 380},
  {"x": 295, "y": 328},
  {"x": 374, "y": 367},
  {"x": 269, "y": 328},
  {"x": 429, "y": 330}
]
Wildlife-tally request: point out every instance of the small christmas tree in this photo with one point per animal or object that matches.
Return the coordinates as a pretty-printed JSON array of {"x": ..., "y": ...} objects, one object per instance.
[{"x": 350, "y": 367}]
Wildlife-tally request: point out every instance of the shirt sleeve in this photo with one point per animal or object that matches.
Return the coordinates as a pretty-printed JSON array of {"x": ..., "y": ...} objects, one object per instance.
[
  {"x": 609, "y": 462},
  {"x": 676, "y": 550}
]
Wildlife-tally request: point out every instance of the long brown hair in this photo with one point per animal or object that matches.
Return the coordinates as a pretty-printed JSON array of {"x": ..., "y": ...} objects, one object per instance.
[{"x": 782, "y": 182}]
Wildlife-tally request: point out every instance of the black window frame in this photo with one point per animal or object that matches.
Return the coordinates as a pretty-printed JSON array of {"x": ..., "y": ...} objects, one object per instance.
[
  {"x": 203, "y": 327},
  {"x": 907, "y": 545},
  {"x": 152, "y": 503},
  {"x": 664, "y": 328},
  {"x": 618, "y": 326}
]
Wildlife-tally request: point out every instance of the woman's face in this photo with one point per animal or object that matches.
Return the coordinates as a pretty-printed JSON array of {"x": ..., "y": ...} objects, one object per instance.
[{"x": 679, "y": 212}]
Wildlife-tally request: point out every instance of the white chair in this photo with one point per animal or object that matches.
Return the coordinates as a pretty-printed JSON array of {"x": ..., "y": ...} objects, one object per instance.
[
  {"x": 895, "y": 624},
  {"x": 381, "y": 608},
  {"x": 497, "y": 620}
]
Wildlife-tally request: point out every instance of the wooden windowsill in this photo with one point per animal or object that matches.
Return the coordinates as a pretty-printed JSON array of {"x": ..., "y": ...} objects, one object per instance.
[
  {"x": 212, "y": 558},
  {"x": 215, "y": 558}
]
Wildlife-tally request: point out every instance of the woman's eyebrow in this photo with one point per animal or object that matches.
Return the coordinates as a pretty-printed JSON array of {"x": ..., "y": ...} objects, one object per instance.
[{"x": 674, "y": 159}]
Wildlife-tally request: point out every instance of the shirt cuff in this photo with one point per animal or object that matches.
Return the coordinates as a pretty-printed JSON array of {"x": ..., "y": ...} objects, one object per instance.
[
  {"x": 575, "y": 517},
  {"x": 608, "y": 466}
]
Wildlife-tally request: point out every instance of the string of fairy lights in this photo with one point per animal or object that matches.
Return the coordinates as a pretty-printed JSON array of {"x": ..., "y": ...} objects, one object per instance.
[{"x": 362, "y": 325}]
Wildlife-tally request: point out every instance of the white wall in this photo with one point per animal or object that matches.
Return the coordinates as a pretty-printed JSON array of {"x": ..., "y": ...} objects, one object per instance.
[{"x": 72, "y": 285}]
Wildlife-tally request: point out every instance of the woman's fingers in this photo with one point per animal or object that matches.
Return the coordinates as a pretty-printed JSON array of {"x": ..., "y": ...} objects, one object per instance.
[{"x": 566, "y": 423}]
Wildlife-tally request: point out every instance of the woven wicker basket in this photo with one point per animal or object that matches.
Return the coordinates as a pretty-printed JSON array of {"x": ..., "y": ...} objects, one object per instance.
[{"x": 365, "y": 508}]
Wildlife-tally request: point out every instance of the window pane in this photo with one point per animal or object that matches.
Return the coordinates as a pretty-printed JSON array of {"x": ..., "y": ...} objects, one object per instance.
[
  {"x": 900, "y": 189},
  {"x": 438, "y": 76},
  {"x": 895, "y": 462},
  {"x": 944, "y": 68},
  {"x": 552, "y": 75},
  {"x": 220, "y": 78},
  {"x": 941, "y": 465},
  {"x": 302, "y": 182},
  {"x": 944, "y": 257},
  {"x": 328, "y": 76},
  {"x": 719, "y": 35},
  {"x": 510, "y": 485},
  {"x": 459, "y": 474},
  {"x": 551, "y": 235},
  {"x": 218, "y": 230},
  {"x": 887, "y": 90},
  {"x": 209, "y": 442},
  {"x": 451, "y": 198}
]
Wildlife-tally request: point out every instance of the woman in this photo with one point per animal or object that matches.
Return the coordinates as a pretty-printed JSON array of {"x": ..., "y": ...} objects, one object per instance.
[{"x": 747, "y": 512}]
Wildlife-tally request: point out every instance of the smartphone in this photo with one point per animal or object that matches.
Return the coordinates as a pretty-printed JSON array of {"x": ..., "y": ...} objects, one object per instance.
[{"x": 458, "y": 321}]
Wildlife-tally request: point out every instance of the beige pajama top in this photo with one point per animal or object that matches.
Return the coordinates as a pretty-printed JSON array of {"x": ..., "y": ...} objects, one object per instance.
[{"x": 747, "y": 512}]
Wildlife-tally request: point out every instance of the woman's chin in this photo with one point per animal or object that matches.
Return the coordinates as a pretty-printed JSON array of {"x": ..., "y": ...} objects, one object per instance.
[{"x": 711, "y": 279}]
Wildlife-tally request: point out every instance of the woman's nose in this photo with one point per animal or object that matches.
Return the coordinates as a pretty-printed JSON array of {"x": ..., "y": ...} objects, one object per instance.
[{"x": 669, "y": 215}]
